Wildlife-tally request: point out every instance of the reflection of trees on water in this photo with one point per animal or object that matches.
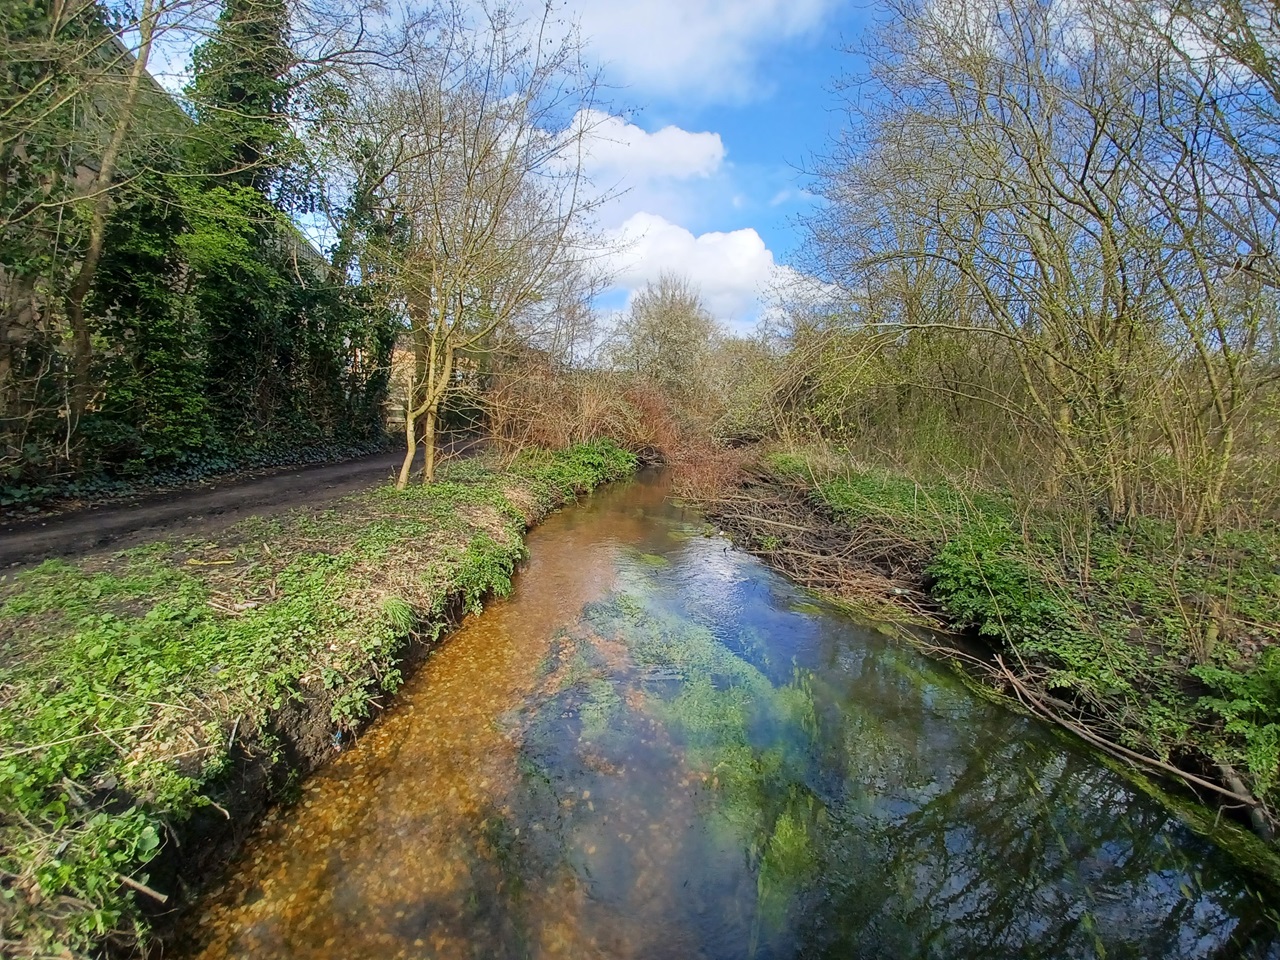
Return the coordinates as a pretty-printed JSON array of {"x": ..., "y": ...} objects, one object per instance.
[
  {"x": 939, "y": 825},
  {"x": 961, "y": 831},
  {"x": 866, "y": 805}
]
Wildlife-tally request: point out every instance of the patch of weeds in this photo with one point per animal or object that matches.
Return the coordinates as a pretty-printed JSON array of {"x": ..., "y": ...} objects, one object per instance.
[
  {"x": 790, "y": 466},
  {"x": 399, "y": 615},
  {"x": 558, "y": 477},
  {"x": 984, "y": 582},
  {"x": 1248, "y": 705},
  {"x": 486, "y": 567},
  {"x": 927, "y": 512}
]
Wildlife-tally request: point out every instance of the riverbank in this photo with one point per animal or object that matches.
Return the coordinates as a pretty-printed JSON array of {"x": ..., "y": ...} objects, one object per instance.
[
  {"x": 1163, "y": 652},
  {"x": 659, "y": 748},
  {"x": 154, "y": 701}
]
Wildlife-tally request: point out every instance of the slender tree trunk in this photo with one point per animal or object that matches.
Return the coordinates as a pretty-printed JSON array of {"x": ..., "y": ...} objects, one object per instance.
[
  {"x": 410, "y": 443},
  {"x": 429, "y": 445},
  {"x": 431, "y": 415},
  {"x": 81, "y": 342}
]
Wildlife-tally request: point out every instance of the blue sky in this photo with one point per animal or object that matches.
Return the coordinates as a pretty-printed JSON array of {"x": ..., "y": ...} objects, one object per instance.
[
  {"x": 712, "y": 107},
  {"x": 718, "y": 103}
]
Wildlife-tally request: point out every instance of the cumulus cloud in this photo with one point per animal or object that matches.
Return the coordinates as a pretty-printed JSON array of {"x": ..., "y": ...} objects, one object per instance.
[
  {"x": 733, "y": 270},
  {"x": 615, "y": 148},
  {"x": 705, "y": 50}
]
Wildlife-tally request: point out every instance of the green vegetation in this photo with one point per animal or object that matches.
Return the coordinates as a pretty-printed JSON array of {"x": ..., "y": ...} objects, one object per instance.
[
  {"x": 169, "y": 323},
  {"x": 1164, "y": 644},
  {"x": 129, "y": 681},
  {"x": 719, "y": 700}
]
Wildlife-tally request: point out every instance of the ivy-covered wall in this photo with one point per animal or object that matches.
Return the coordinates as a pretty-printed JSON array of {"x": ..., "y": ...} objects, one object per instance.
[{"x": 217, "y": 335}]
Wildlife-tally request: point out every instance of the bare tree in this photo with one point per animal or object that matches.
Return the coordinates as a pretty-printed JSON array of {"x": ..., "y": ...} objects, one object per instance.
[
  {"x": 1026, "y": 177},
  {"x": 475, "y": 206}
]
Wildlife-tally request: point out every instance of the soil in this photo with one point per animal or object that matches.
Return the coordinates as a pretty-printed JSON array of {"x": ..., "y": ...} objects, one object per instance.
[
  {"x": 190, "y": 512},
  {"x": 867, "y": 563}
]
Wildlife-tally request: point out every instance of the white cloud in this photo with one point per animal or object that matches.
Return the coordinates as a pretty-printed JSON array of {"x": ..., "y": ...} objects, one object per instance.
[
  {"x": 733, "y": 270},
  {"x": 615, "y": 148},
  {"x": 706, "y": 50}
]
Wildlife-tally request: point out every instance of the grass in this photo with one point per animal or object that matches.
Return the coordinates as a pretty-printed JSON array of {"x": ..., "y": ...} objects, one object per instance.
[
  {"x": 1169, "y": 645},
  {"x": 127, "y": 681}
]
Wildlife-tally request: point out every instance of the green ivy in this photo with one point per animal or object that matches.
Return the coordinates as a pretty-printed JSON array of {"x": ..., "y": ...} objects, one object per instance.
[{"x": 219, "y": 337}]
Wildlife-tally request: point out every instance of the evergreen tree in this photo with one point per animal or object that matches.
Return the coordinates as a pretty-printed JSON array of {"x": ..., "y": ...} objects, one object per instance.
[{"x": 240, "y": 94}]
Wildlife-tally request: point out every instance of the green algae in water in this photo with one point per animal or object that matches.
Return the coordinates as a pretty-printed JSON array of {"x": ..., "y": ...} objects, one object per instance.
[
  {"x": 599, "y": 709},
  {"x": 789, "y": 860},
  {"x": 746, "y": 740},
  {"x": 807, "y": 608},
  {"x": 658, "y": 638},
  {"x": 752, "y": 739}
]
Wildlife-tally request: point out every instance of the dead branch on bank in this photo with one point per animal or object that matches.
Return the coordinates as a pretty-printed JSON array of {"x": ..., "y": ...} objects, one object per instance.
[
  {"x": 1260, "y": 818},
  {"x": 867, "y": 562}
]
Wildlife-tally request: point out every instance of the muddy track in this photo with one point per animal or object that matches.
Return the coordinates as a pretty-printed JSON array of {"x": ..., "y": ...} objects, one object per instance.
[{"x": 197, "y": 511}]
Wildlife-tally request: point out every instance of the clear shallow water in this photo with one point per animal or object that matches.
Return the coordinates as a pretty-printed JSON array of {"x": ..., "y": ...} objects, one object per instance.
[{"x": 656, "y": 748}]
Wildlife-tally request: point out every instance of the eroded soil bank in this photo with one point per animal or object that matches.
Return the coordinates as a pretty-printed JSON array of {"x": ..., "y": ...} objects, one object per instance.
[{"x": 154, "y": 701}]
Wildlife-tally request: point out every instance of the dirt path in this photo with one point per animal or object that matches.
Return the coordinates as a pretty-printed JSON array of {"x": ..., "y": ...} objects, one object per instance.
[{"x": 197, "y": 511}]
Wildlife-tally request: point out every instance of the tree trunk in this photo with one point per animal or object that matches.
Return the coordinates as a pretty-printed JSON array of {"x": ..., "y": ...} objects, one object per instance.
[
  {"x": 81, "y": 343},
  {"x": 429, "y": 445},
  {"x": 411, "y": 446}
]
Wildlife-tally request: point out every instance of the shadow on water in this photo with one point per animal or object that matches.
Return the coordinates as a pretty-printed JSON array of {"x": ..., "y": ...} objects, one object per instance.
[{"x": 657, "y": 748}]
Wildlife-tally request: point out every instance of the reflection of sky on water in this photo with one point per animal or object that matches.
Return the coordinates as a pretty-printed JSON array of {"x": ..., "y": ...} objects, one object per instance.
[
  {"x": 996, "y": 838},
  {"x": 657, "y": 748}
]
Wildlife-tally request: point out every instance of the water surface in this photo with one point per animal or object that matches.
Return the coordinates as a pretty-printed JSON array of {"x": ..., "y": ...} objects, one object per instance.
[{"x": 657, "y": 748}]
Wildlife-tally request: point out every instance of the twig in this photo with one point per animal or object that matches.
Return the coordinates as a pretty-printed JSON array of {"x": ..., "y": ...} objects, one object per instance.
[
  {"x": 1032, "y": 702},
  {"x": 774, "y": 523},
  {"x": 143, "y": 888},
  {"x": 21, "y": 751}
]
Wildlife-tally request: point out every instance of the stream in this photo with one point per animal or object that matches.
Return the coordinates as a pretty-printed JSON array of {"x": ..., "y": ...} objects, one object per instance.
[{"x": 658, "y": 748}]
